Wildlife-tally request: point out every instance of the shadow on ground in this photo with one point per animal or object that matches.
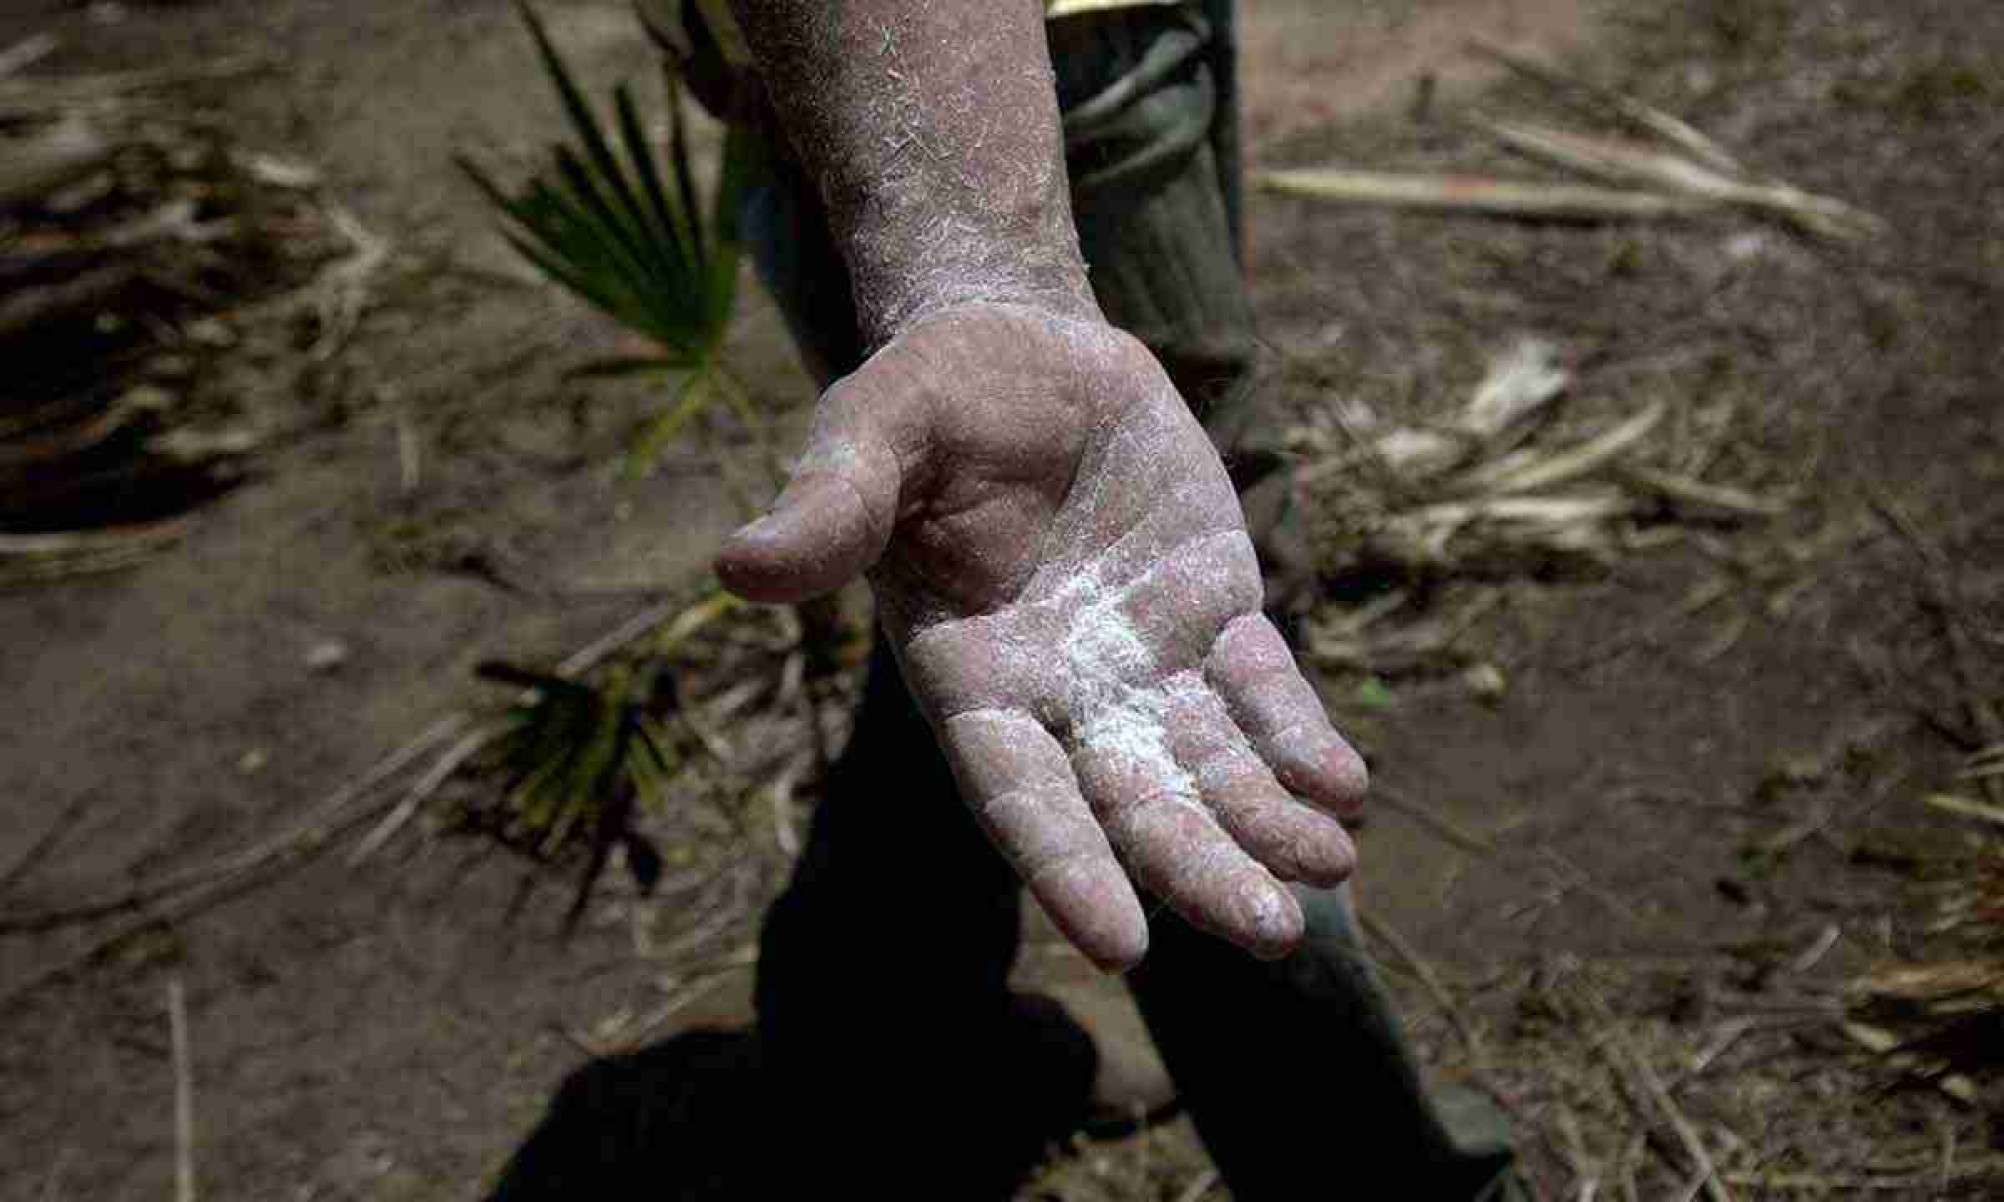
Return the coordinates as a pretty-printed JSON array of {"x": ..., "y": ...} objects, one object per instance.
[
  {"x": 674, "y": 1120},
  {"x": 702, "y": 1115}
]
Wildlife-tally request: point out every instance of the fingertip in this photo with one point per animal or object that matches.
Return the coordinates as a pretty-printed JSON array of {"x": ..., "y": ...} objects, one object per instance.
[
  {"x": 1313, "y": 761},
  {"x": 748, "y": 565},
  {"x": 1328, "y": 858},
  {"x": 1349, "y": 777},
  {"x": 817, "y": 538},
  {"x": 1307, "y": 845},
  {"x": 1116, "y": 939},
  {"x": 1095, "y": 908},
  {"x": 1122, "y": 956},
  {"x": 1269, "y": 919}
]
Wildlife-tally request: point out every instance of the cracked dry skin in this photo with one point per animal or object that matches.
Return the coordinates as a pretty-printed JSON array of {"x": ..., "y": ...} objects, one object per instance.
[{"x": 1062, "y": 565}]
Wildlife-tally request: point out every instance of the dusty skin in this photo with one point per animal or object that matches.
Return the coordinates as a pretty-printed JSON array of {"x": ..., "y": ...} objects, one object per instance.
[
  {"x": 1062, "y": 564},
  {"x": 1058, "y": 556}
]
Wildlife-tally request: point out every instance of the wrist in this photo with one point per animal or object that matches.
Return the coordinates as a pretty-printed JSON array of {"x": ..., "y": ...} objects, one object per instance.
[{"x": 910, "y": 262}]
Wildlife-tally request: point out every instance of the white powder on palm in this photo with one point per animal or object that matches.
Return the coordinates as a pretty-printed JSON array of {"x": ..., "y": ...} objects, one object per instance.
[{"x": 1113, "y": 699}]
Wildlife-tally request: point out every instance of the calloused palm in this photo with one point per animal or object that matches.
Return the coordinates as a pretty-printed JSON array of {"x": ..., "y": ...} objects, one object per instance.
[{"x": 1064, "y": 571}]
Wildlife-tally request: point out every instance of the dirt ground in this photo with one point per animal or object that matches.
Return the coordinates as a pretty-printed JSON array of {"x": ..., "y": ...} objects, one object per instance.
[{"x": 1706, "y": 753}]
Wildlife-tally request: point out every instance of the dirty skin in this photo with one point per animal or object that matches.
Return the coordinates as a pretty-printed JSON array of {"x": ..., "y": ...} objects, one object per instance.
[{"x": 1058, "y": 558}]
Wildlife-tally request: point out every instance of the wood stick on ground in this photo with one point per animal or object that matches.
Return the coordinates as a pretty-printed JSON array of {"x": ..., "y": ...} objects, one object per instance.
[
  {"x": 1627, "y": 165},
  {"x": 1409, "y": 956},
  {"x": 1728, "y": 1034},
  {"x": 686, "y": 621},
  {"x": 1568, "y": 465},
  {"x": 1578, "y": 878},
  {"x": 1642, "y": 117},
  {"x": 1818, "y": 948},
  {"x": 1434, "y": 820},
  {"x": 1916, "y": 1185},
  {"x": 213, "y": 885},
  {"x": 42, "y": 555},
  {"x": 1963, "y": 807},
  {"x": 644, "y": 1031},
  {"x": 26, "y": 53},
  {"x": 79, "y": 298},
  {"x": 1631, "y": 1158},
  {"x": 779, "y": 795},
  {"x": 1572, "y": 1144},
  {"x": 33, "y": 168},
  {"x": 1939, "y": 595},
  {"x": 1522, "y": 199},
  {"x": 327, "y": 811},
  {"x": 410, "y": 453},
  {"x": 52, "y": 834},
  {"x": 1881, "y": 1042},
  {"x": 1705, "y": 500},
  {"x": 33, "y": 97},
  {"x": 184, "y": 1094},
  {"x": 423, "y": 788},
  {"x": 699, "y": 723},
  {"x": 1646, "y": 1088},
  {"x": 340, "y": 293},
  {"x": 146, "y": 535}
]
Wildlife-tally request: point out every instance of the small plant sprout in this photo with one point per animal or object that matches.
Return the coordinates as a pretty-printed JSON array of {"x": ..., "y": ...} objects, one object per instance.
[{"x": 606, "y": 218}]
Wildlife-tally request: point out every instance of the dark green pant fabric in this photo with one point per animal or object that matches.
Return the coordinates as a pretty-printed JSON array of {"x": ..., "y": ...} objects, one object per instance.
[{"x": 1295, "y": 1073}]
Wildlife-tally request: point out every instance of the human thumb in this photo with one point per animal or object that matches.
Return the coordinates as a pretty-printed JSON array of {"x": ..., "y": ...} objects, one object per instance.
[{"x": 835, "y": 516}]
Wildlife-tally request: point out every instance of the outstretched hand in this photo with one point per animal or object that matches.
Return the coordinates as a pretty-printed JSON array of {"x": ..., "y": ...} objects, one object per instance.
[{"x": 1064, "y": 572}]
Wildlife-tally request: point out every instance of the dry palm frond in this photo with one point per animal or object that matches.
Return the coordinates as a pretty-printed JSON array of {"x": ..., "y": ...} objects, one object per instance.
[
  {"x": 34, "y": 558},
  {"x": 1985, "y": 764},
  {"x": 1486, "y": 488},
  {"x": 136, "y": 247},
  {"x": 1626, "y": 164},
  {"x": 1942, "y": 1020},
  {"x": 1681, "y": 174},
  {"x": 1644, "y": 118},
  {"x": 1530, "y": 474},
  {"x": 32, "y": 168}
]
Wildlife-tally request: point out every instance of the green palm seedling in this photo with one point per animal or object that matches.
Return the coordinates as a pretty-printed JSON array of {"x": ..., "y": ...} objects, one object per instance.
[
  {"x": 628, "y": 234},
  {"x": 580, "y": 761}
]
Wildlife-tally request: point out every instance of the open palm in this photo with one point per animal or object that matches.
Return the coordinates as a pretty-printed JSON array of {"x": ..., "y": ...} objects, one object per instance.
[{"x": 1063, "y": 569}]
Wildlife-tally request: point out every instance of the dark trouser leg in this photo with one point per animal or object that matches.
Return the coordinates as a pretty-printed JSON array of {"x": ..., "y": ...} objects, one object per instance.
[
  {"x": 1297, "y": 1073},
  {"x": 899, "y": 914},
  {"x": 897, "y": 1053}
]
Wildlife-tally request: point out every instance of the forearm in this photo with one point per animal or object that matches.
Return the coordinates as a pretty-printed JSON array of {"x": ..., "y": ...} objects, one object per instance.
[{"x": 931, "y": 128}]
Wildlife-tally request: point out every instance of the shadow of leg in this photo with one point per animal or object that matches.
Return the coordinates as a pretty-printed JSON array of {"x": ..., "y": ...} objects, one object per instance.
[
  {"x": 673, "y": 1121},
  {"x": 948, "y": 1111}
]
